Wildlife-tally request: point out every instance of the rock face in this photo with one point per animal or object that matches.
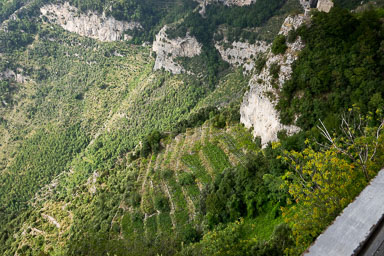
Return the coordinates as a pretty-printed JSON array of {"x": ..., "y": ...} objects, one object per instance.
[
  {"x": 204, "y": 3},
  {"x": 324, "y": 5},
  {"x": 227, "y": 2},
  {"x": 242, "y": 54},
  {"x": 12, "y": 75},
  {"x": 258, "y": 107},
  {"x": 321, "y": 5},
  {"x": 308, "y": 4},
  {"x": 237, "y": 2},
  {"x": 14, "y": 16},
  {"x": 168, "y": 49},
  {"x": 89, "y": 24}
]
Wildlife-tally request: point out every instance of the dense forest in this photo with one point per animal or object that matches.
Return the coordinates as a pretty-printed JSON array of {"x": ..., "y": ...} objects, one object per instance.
[
  {"x": 101, "y": 155},
  {"x": 341, "y": 66}
]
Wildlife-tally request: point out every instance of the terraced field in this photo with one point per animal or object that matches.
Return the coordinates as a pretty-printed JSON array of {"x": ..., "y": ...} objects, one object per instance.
[{"x": 171, "y": 182}]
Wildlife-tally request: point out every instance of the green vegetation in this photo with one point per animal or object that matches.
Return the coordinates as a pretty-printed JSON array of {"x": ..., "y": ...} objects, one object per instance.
[
  {"x": 350, "y": 4},
  {"x": 106, "y": 100},
  {"x": 279, "y": 45},
  {"x": 237, "y": 20},
  {"x": 341, "y": 65},
  {"x": 236, "y": 17},
  {"x": 8, "y": 7},
  {"x": 151, "y": 14},
  {"x": 323, "y": 181},
  {"x": 101, "y": 155}
]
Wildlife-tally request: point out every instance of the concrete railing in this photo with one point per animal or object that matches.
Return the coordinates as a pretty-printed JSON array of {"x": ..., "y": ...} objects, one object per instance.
[{"x": 359, "y": 230}]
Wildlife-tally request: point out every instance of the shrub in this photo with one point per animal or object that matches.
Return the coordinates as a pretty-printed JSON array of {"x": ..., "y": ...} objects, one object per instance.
[
  {"x": 186, "y": 179},
  {"x": 279, "y": 45}
]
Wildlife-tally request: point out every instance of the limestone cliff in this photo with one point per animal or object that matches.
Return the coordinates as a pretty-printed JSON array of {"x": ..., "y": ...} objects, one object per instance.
[
  {"x": 321, "y": 5},
  {"x": 242, "y": 53},
  {"x": 308, "y": 4},
  {"x": 237, "y": 2},
  {"x": 227, "y": 2},
  {"x": 90, "y": 24},
  {"x": 204, "y": 3},
  {"x": 258, "y": 107},
  {"x": 324, "y": 5},
  {"x": 168, "y": 49}
]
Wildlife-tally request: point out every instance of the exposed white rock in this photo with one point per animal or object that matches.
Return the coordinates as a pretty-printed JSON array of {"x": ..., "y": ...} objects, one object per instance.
[
  {"x": 258, "y": 107},
  {"x": 308, "y": 4},
  {"x": 237, "y": 2},
  {"x": 203, "y": 3},
  {"x": 324, "y": 5},
  {"x": 321, "y": 5},
  {"x": 12, "y": 75},
  {"x": 90, "y": 24},
  {"x": 168, "y": 49},
  {"x": 242, "y": 54},
  {"x": 52, "y": 220},
  {"x": 92, "y": 182},
  {"x": 14, "y": 16},
  {"x": 293, "y": 22},
  {"x": 227, "y": 2}
]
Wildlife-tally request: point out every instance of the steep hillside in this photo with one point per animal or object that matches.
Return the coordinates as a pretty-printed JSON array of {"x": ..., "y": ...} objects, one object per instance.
[
  {"x": 151, "y": 198},
  {"x": 184, "y": 127}
]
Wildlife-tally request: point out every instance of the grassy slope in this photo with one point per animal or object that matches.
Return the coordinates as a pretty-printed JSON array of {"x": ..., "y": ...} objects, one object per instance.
[
  {"x": 109, "y": 91},
  {"x": 199, "y": 153}
]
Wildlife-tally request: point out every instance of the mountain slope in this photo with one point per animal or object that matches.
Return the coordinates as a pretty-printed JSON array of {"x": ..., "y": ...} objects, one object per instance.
[{"x": 121, "y": 125}]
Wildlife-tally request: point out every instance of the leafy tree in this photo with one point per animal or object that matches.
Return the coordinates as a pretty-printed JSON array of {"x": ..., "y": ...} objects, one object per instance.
[
  {"x": 341, "y": 65},
  {"x": 323, "y": 182}
]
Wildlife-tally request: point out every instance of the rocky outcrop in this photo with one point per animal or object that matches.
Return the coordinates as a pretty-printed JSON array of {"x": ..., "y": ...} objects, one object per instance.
[
  {"x": 12, "y": 75},
  {"x": 321, "y": 5},
  {"x": 258, "y": 107},
  {"x": 308, "y": 4},
  {"x": 237, "y": 2},
  {"x": 241, "y": 54},
  {"x": 167, "y": 50},
  {"x": 204, "y": 3},
  {"x": 90, "y": 24},
  {"x": 227, "y": 2},
  {"x": 324, "y": 5},
  {"x": 15, "y": 15}
]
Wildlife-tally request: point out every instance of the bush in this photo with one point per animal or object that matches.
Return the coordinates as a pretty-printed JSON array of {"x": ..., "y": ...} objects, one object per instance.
[
  {"x": 186, "y": 179},
  {"x": 162, "y": 203},
  {"x": 332, "y": 72},
  {"x": 292, "y": 35},
  {"x": 260, "y": 63},
  {"x": 274, "y": 70},
  {"x": 279, "y": 45}
]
